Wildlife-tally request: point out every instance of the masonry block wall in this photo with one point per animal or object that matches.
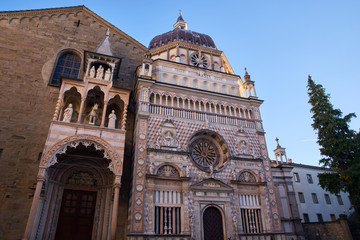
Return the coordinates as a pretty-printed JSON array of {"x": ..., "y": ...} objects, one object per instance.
[{"x": 30, "y": 42}]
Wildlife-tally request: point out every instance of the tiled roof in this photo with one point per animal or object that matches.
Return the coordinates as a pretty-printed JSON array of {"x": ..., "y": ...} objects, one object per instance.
[{"x": 184, "y": 36}]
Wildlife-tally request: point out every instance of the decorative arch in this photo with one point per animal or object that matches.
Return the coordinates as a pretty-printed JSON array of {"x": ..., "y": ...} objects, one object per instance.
[
  {"x": 50, "y": 158},
  {"x": 73, "y": 97},
  {"x": 168, "y": 170},
  {"x": 247, "y": 176}
]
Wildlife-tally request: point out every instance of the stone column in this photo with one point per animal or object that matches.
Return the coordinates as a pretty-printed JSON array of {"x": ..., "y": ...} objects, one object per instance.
[
  {"x": 117, "y": 184},
  {"x": 35, "y": 204},
  {"x": 150, "y": 70},
  {"x": 124, "y": 117},
  {"x": 58, "y": 107},
  {"x": 81, "y": 109},
  {"x": 142, "y": 70},
  {"x": 104, "y": 113}
]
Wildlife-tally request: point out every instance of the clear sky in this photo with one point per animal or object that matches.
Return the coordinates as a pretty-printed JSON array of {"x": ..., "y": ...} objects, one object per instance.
[{"x": 280, "y": 43}]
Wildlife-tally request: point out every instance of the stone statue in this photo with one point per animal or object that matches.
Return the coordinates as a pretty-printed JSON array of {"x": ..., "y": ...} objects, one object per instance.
[
  {"x": 168, "y": 139},
  {"x": 152, "y": 168},
  {"x": 93, "y": 114},
  {"x": 112, "y": 119},
  {"x": 243, "y": 149},
  {"x": 68, "y": 113},
  {"x": 92, "y": 72},
  {"x": 211, "y": 171},
  {"x": 107, "y": 75},
  {"x": 100, "y": 72}
]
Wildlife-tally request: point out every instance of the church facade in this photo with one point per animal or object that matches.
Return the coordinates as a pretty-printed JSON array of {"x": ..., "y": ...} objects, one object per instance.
[{"x": 122, "y": 141}]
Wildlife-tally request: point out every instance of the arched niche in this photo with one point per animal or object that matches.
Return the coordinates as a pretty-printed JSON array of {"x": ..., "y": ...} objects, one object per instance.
[
  {"x": 247, "y": 176},
  {"x": 96, "y": 66},
  {"x": 152, "y": 98},
  {"x": 72, "y": 97},
  {"x": 95, "y": 97},
  {"x": 183, "y": 58},
  {"x": 175, "y": 79},
  {"x": 167, "y": 170},
  {"x": 116, "y": 104},
  {"x": 185, "y": 81}
]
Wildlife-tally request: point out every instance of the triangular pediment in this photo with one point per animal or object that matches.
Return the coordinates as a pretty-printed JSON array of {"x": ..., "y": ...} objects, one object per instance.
[
  {"x": 65, "y": 12},
  {"x": 211, "y": 184},
  {"x": 169, "y": 123}
]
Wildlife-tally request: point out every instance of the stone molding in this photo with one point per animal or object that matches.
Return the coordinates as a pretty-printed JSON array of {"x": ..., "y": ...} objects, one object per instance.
[{"x": 49, "y": 158}]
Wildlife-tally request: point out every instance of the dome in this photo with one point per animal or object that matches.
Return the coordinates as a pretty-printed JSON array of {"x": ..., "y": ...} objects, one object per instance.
[{"x": 181, "y": 33}]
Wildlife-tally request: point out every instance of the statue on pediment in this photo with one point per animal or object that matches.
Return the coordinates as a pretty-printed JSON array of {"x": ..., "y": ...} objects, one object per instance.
[
  {"x": 107, "y": 75},
  {"x": 93, "y": 114},
  {"x": 100, "y": 72},
  {"x": 112, "y": 119},
  {"x": 92, "y": 72}
]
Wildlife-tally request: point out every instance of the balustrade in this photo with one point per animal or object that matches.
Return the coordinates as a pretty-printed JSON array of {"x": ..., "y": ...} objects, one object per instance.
[{"x": 202, "y": 116}]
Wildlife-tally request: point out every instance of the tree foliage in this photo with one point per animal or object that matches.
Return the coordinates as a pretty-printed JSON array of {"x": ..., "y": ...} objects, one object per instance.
[{"x": 339, "y": 145}]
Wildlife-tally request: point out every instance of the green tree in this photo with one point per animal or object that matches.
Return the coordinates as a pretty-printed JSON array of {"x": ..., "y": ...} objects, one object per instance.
[{"x": 339, "y": 145}]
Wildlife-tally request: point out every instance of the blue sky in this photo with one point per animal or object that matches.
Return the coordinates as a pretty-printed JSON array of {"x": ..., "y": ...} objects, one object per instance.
[{"x": 280, "y": 43}]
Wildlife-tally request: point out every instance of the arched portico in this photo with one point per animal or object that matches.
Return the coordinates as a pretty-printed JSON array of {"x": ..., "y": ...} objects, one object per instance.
[{"x": 80, "y": 165}]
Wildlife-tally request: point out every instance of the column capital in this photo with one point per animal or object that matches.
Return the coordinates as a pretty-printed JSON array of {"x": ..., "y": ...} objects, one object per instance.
[
  {"x": 117, "y": 181},
  {"x": 41, "y": 174}
]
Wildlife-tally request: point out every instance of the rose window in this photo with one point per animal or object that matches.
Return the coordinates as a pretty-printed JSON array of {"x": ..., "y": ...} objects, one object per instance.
[
  {"x": 204, "y": 153},
  {"x": 208, "y": 151},
  {"x": 198, "y": 61}
]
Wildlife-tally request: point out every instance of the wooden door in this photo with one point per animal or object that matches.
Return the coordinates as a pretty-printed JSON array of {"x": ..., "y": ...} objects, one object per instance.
[
  {"x": 76, "y": 215},
  {"x": 213, "y": 224}
]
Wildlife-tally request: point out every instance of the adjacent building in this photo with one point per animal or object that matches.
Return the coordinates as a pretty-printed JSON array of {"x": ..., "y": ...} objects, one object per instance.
[{"x": 313, "y": 202}]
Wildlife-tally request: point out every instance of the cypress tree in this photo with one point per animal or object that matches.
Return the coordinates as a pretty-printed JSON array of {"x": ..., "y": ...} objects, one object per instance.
[{"x": 339, "y": 145}]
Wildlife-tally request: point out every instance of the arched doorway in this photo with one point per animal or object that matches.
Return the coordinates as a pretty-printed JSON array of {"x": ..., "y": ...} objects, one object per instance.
[
  {"x": 213, "y": 224},
  {"x": 76, "y": 215}
]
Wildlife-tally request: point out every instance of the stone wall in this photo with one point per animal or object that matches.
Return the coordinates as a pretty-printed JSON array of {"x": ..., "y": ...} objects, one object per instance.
[
  {"x": 337, "y": 230},
  {"x": 30, "y": 42}
]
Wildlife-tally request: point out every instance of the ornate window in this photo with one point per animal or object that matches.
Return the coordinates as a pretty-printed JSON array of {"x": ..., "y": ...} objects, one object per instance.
[
  {"x": 204, "y": 153},
  {"x": 67, "y": 65},
  {"x": 208, "y": 151},
  {"x": 167, "y": 212},
  {"x": 198, "y": 61},
  {"x": 251, "y": 220}
]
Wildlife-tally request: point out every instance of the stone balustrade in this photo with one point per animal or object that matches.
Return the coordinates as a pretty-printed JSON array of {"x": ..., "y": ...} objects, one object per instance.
[{"x": 202, "y": 116}]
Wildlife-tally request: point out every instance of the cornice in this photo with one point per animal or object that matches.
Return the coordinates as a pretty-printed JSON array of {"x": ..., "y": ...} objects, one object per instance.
[{"x": 191, "y": 46}]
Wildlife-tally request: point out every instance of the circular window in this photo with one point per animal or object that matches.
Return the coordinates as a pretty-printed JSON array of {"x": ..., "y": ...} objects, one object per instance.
[
  {"x": 208, "y": 151},
  {"x": 204, "y": 152},
  {"x": 198, "y": 61}
]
